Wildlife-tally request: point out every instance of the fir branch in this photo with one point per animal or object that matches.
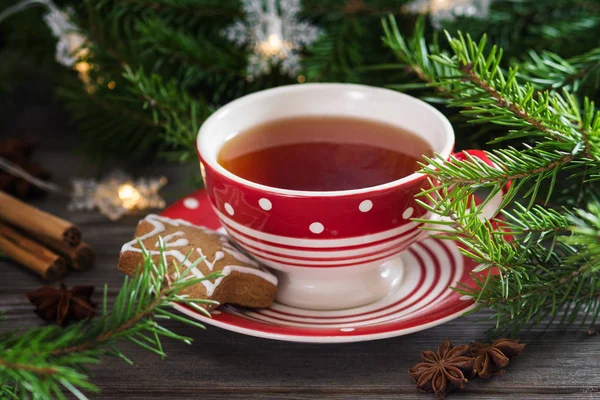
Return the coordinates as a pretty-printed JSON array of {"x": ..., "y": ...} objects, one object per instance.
[
  {"x": 231, "y": 9},
  {"x": 131, "y": 115},
  {"x": 42, "y": 371},
  {"x": 548, "y": 70},
  {"x": 43, "y": 362},
  {"x": 173, "y": 108},
  {"x": 168, "y": 45},
  {"x": 547, "y": 271},
  {"x": 501, "y": 100},
  {"x": 475, "y": 81},
  {"x": 478, "y": 84},
  {"x": 414, "y": 55},
  {"x": 536, "y": 220},
  {"x": 94, "y": 342},
  {"x": 514, "y": 164},
  {"x": 566, "y": 27},
  {"x": 545, "y": 287},
  {"x": 331, "y": 58},
  {"x": 113, "y": 122},
  {"x": 205, "y": 8},
  {"x": 489, "y": 91},
  {"x": 526, "y": 278}
]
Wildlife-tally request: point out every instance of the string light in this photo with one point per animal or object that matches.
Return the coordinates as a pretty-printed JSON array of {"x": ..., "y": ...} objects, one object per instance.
[
  {"x": 114, "y": 196},
  {"x": 448, "y": 10},
  {"x": 273, "y": 46},
  {"x": 301, "y": 79},
  {"x": 439, "y": 5},
  {"x": 91, "y": 89},
  {"x": 129, "y": 196},
  {"x": 71, "y": 50},
  {"x": 111, "y": 85},
  {"x": 117, "y": 194},
  {"x": 83, "y": 67}
]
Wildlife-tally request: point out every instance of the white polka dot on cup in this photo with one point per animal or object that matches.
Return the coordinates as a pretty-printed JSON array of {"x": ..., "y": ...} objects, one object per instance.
[
  {"x": 347, "y": 329},
  {"x": 365, "y": 206},
  {"x": 265, "y": 204},
  {"x": 408, "y": 213},
  {"x": 316, "y": 227},
  {"x": 191, "y": 203},
  {"x": 229, "y": 209}
]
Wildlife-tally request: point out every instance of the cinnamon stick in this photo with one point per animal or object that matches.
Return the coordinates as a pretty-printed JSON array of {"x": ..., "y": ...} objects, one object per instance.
[
  {"x": 37, "y": 223},
  {"x": 80, "y": 258},
  {"x": 23, "y": 250}
]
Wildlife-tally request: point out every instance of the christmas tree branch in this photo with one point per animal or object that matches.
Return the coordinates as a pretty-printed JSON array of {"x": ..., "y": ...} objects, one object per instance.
[
  {"x": 497, "y": 97},
  {"x": 536, "y": 275},
  {"x": 94, "y": 342},
  {"x": 514, "y": 164},
  {"x": 414, "y": 55},
  {"x": 548, "y": 70},
  {"x": 536, "y": 265},
  {"x": 173, "y": 108},
  {"x": 29, "y": 368},
  {"x": 210, "y": 8},
  {"x": 547, "y": 269},
  {"x": 476, "y": 82},
  {"x": 535, "y": 220},
  {"x": 230, "y": 8},
  {"x": 45, "y": 361},
  {"x": 132, "y": 115},
  {"x": 196, "y": 51},
  {"x": 502, "y": 101},
  {"x": 544, "y": 287}
]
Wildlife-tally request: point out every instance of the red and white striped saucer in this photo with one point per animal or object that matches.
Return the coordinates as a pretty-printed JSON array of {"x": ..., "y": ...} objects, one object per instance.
[{"x": 420, "y": 301}]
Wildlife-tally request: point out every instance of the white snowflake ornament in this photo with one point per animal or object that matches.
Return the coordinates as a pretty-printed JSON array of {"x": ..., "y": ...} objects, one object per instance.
[
  {"x": 273, "y": 33},
  {"x": 448, "y": 10},
  {"x": 70, "y": 41}
]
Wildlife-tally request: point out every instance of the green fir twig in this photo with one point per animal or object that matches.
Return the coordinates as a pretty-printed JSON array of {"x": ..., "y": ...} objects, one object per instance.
[
  {"x": 538, "y": 264},
  {"x": 45, "y": 362}
]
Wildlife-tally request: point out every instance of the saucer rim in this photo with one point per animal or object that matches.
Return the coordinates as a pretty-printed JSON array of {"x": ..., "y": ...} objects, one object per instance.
[{"x": 347, "y": 338}]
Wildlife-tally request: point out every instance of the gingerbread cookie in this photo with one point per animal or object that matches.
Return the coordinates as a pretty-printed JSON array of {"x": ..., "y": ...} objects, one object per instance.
[{"x": 243, "y": 282}]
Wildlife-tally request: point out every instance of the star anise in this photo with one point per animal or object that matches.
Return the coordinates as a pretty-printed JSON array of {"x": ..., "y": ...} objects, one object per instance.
[
  {"x": 63, "y": 305},
  {"x": 490, "y": 359},
  {"x": 441, "y": 372}
]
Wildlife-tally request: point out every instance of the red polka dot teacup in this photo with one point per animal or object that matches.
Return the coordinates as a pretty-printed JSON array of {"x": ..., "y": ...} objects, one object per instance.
[{"x": 331, "y": 249}]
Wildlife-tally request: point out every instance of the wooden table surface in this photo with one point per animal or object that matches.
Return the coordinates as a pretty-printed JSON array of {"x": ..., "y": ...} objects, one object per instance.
[{"x": 225, "y": 365}]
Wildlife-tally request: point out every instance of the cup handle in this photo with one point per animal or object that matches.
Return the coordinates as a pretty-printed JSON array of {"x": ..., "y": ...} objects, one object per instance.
[{"x": 490, "y": 210}]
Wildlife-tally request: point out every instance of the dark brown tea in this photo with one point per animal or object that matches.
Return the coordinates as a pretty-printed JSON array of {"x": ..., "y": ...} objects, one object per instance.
[{"x": 323, "y": 153}]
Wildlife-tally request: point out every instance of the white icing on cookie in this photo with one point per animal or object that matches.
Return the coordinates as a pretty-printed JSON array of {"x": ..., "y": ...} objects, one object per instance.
[
  {"x": 158, "y": 224},
  {"x": 219, "y": 255},
  {"x": 177, "y": 243},
  {"x": 244, "y": 270}
]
